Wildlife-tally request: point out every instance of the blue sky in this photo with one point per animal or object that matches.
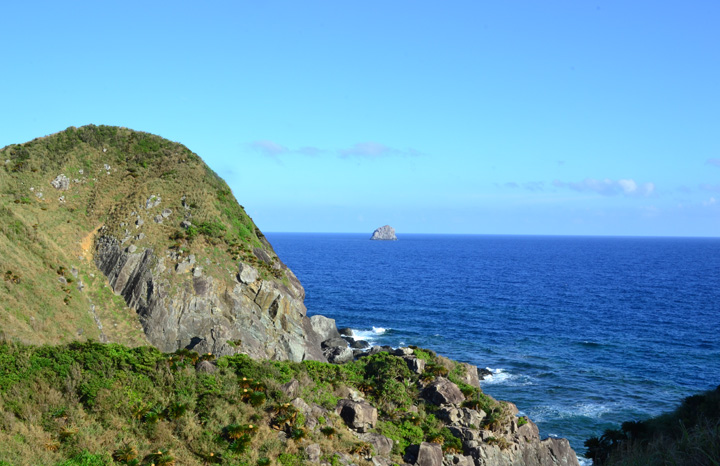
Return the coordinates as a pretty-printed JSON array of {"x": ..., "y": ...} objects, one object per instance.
[{"x": 557, "y": 117}]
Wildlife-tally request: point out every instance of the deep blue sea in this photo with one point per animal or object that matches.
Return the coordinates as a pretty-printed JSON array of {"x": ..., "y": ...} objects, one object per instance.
[{"x": 582, "y": 333}]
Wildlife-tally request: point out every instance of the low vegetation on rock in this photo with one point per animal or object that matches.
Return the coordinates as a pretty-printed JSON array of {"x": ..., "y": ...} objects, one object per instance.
[
  {"x": 689, "y": 435},
  {"x": 88, "y": 403}
]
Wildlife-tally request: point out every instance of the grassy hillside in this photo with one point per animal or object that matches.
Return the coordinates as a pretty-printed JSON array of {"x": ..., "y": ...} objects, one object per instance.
[
  {"x": 104, "y": 404},
  {"x": 51, "y": 291},
  {"x": 690, "y": 435}
]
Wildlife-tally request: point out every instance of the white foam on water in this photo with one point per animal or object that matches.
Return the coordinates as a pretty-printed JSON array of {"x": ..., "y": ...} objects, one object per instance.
[
  {"x": 501, "y": 376},
  {"x": 584, "y": 461},
  {"x": 497, "y": 376},
  {"x": 591, "y": 410},
  {"x": 368, "y": 335}
]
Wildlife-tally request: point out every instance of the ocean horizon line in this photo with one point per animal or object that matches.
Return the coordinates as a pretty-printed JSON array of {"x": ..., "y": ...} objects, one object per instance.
[{"x": 522, "y": 235}]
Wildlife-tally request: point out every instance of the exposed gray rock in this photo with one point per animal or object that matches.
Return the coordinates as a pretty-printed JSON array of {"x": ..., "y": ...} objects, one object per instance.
[
  {"x": 357, "y": 344},
  {"x": 381, "y": 461},
  {"x": 549, "y": 452},
  {"x": 381, "y": 444},
  {"x": 204, "y": 313},
  {"x": 324, "y": 327},
  {"x": 464, "y": 417},
  {"x": 132, "y": 248},
  {"x": 291, "y": 389},
  {"x": 425, "y": 454},
  {"x": 61, "y": 182},
  {"x": 442, "y": 391},
  {"x": 246, "y": 273},
  {"x": 458, "y": 460},
  {"x": 197, "y": 271},
  {"x": 338, "y": 354},
  {"x": 482, "y": 373},
  {"x": 416, "y": 365},
  {"x": 185, "y": 224},
  {"x": 358, "y": 415},
  {"x": 471, "y": 375},
  {"x": 345, "y": 331},
  {"x": 402, "y": 352},
  {"x": 139, "y": 222},
  {"x": 158, "y": 218},
  {"x": 206, "y": 367},
  {"x": 152, "y": 201},
  {"x": 313, "y": 452},
  {"x": 166, "y": 213},
  {"x": 386, "y": 233},
  {"x": 338, "y": 342}
]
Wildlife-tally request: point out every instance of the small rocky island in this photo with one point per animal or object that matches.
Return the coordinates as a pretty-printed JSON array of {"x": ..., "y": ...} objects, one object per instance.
[{"x": 384, "y": 233}]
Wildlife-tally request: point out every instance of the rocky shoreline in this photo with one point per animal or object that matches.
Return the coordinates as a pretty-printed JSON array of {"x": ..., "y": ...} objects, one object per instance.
[{"x": 514, "y": 441}]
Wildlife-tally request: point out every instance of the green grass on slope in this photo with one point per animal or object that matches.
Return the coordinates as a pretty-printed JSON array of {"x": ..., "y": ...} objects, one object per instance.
[
  {"x": 104, "y": 404},
  {"x": 51, "y": 291}
]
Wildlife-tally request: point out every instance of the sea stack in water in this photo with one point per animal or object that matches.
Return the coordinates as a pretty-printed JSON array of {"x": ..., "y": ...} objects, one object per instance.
[{"x": 386, "y": 233}]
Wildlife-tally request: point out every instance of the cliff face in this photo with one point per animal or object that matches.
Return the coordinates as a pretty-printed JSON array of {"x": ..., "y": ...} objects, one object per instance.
[
  {"x": 263, "y": 318},
  {"x": 166, "y": 232}
]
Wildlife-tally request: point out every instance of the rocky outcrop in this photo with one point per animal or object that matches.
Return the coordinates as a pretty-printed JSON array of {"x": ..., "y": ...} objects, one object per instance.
[
  {"x": 263, "y": 318},
  {"x": 386, "y": 233},
  {"x": 441, "y": 391},
  {"x": 358, "y": 415}
]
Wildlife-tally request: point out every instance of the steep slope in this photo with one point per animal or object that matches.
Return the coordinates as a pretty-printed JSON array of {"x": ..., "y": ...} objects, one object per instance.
[{"x": 123, "y": 236}]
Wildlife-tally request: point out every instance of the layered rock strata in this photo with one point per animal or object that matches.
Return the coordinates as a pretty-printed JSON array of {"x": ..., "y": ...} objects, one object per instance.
[{"x": 263, "y": 318}]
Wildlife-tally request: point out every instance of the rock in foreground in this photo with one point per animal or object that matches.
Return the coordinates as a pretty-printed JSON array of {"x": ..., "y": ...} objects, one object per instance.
[{"x": 384, "y": 233}]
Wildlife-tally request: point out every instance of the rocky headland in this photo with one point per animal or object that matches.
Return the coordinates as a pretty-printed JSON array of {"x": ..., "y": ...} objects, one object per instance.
[
  {"x": 384, "y": 233},
  {"x": 124, "y": 238}
]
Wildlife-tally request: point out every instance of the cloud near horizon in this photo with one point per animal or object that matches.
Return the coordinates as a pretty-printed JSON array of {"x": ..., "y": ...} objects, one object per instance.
[
  {"x": 608, "y": 187},
  {"x": 374, "y": 149},
  {"x": 362, "y": 149},
  {"x": 530, "y": 185},
  {"x": 269, "y": 148}
]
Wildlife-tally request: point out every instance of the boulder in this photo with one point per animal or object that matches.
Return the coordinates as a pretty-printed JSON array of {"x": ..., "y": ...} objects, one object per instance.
[
  {"x": 313, "y": 452},
  {"x": 441, "y": 391},
  {"x": 358, "y": 415},
  {"x": 381, "y": 444},
  {"x": 359, "y": 344},
  {"x": 324, "y": 327},
  {"x": 338, "y": 354},
  {"x": 61, "y": 182},
  {"x": 482, "y": 373},
  {"x": 458, "y": 460},
  {"x": 291, "y": 389},
  {"x": 384, "y": 233},
  {"x": 425, "y": 454},
  {"x": 402, "y": 352},
  {"x": 205, "y": 367},
  {"x": 346, "y": 331},
  {"x": 246, "y": 273},
  {"x": 415, "y": 364},
  {"x": 338, "y": 342},
  {"x": 471, "y": 375}
]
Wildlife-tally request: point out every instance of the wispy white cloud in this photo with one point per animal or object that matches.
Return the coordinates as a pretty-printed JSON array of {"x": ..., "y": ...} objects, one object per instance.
[
  {"x": 375, "y": 149},
  {"x": 715, "y": 162},
  {"x": 608, "y": 187},
  {"x": 362, "y": 149},
  {"x": 529, "y": 185},
  {"x": 709, "y": 202},
  {"x": 269, "y": 148}
]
